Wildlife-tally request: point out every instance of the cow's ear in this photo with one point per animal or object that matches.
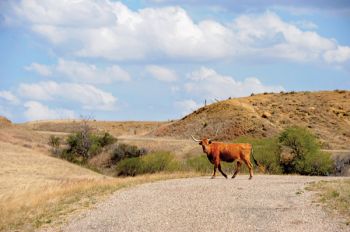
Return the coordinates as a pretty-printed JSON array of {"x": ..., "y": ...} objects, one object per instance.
[{"x": 209, "y": 142}]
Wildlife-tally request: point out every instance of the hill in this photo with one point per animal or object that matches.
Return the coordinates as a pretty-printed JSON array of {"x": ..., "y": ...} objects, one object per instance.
[
  {"x": 116, "y": 128},
  {"x": 325, "y": 113}
]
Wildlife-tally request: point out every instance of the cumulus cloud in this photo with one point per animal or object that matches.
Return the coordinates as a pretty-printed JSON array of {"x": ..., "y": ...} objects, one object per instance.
[
  {"x": 9, "y": 97},
  {"x": 341, "y": 54},
  {"x": 88, "y": 96},
  {"x": 207, "y": 83},
  {"x": 41, "y": 69},
  {"x": 37, "y": 111},
  {"x": 109, "y": 29},
  {"x": 81, "y": 72},
  {"x": 186, "y": 106},
  {"x": 162, "y": 73}
]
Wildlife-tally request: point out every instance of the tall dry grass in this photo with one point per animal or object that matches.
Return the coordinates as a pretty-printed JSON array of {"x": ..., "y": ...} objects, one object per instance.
[{"x": 37, "y": 190}]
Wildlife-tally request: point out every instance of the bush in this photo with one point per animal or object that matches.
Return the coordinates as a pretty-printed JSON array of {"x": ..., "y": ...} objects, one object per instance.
[
  {"x": 306, "y": 158},
  {"x": 54, "y": 142},
  {"x": 84, "y": 145},
  {"x": 106, "y": 139},
  {"x": 199, "y": 164},
  {"x": 123, "y": 151},
  {"x": 266, "y": 151},
  {"x": 152, "y": 163}
]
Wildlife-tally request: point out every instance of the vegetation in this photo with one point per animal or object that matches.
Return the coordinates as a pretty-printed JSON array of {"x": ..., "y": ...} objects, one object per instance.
[
  {"x": 306, "y": 158},
  {"x": 54, "y": 143},
  {"x": 266, "y": 151},
  {"x": 295, "y": 150},
  {"x": 123, "y": 151},
  {"x": 151, "y": 163},
  {"x": 49, "y": 205},
  {"x": 334, "y": 195}
]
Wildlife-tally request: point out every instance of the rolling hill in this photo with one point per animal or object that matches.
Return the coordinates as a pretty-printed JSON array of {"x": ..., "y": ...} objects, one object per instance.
[{"x": 325, "y": 113}]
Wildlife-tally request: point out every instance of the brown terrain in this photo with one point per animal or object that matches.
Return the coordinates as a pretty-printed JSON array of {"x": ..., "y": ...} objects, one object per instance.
[
  {"x": 326, "y": 114},
  {"x": 30, "y": 177}
]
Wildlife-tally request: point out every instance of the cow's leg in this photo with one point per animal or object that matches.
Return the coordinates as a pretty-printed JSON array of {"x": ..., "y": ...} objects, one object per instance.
[
  {"x": 239, "y": 164},
  {"x": 250, "y": 167},
  {"x": 214, "y": 173},
  {"x": 222, "y": 171}
]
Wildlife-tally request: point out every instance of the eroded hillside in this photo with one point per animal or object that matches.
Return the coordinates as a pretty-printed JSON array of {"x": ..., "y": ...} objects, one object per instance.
[{"x": 326, "y": 113}]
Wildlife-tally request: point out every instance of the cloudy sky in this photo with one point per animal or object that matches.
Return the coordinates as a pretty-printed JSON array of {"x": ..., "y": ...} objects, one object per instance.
[{"x": 161, "y": 59}]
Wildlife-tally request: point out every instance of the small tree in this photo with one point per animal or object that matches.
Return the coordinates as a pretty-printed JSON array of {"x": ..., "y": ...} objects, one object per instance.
[
  {"x": 54, "y": 143},
  {"x": 306, "y": 155}
]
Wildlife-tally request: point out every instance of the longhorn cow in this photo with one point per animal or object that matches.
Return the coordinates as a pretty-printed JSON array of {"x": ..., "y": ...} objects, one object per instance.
[{"x": 228, "y": 152}]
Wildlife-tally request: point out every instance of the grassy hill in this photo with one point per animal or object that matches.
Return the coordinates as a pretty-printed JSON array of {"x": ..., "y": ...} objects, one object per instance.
[{"x": 325, "y": 113}]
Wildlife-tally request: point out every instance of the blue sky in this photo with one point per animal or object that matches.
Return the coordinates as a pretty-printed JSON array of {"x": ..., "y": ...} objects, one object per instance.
[{"x": 161, "y": 59}]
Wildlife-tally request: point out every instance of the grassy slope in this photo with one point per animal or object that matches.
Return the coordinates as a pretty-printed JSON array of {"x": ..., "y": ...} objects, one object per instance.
[
  {"x": 326, "y": 113},
  {"x": 37, "y": 190}
]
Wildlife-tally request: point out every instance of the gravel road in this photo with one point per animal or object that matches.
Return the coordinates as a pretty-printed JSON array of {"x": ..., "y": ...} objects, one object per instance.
[{"x": 265, "y": 203}]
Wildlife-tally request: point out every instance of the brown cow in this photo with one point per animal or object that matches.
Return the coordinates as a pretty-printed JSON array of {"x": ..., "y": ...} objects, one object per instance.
[{"x": 228, "y": 152}]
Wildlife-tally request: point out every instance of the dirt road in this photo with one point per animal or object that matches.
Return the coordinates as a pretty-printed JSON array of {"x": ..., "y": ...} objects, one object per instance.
[{"x": 266, "y": 203}]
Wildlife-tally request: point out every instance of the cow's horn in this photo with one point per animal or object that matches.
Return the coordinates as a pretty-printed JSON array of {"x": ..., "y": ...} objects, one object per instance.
[{"x": 196, "y": 140}]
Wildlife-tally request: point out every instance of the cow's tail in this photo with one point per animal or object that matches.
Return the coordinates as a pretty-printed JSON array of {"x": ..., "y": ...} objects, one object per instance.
[{"x": 261, "y": 167}]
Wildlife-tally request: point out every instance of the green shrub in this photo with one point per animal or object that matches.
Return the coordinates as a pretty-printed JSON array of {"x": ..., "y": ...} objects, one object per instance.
[
  {"x": 266, "y": 151},
  {"x": 306, "y": 158},
  {"x": 199, "y": 164},
  {"x": 151, "y": 163},
  {"x": 106, "y": 139},
  {"x": 54, "y": 143},
  {"x": 129, "y": 167},
  {"x": 83, "y": 145},
  {"x": 123, "y": 151}
]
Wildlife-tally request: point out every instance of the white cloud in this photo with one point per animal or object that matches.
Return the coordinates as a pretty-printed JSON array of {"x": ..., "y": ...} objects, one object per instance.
[
  {"x": 37, "y": 111},
  {"x": 9, "y": 97},
  {"x": 109, "y": 29},
  {"x": 186, "y": 106},
  {"x": 161, "y": 73},
  {"x": 340, "y": 55},
  {"x": 41, "y": 69},
  {"x": 88, "y": 96},
  {"x": 307, "y": 25},
  {"x": 81, "y": 72},
  {"x": 267, "y": 35},
  {"x": 208, "y": 84}
]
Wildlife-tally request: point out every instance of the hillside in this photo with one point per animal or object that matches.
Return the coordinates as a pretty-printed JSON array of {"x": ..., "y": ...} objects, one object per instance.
[
  {"x": 116, "y": 128},
  {"x": 325, "y": 113}
]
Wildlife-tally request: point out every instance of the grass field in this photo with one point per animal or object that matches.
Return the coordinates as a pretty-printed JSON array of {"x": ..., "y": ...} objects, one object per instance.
[
  {"x": 334, "y": 196},
  {"x": 37, "y": 190}
]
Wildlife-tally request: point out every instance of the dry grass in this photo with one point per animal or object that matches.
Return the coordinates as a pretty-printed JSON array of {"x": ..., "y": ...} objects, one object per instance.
[
  {"x": 37, "y": 190},
  {"x": 335, "y": 196},
  {"x": 114, "y": 127},
  {"x": 325, "y": 113}
]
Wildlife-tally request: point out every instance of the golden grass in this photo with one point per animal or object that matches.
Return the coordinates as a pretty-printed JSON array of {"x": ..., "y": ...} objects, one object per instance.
[
  {"x": 334, "y": 195},
  {"x": 52, "y": 205},
  {"x": 37, "y": 190}
]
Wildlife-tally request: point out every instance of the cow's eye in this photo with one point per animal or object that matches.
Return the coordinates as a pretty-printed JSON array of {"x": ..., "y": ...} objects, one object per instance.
[{"x": 200, "y": 143}]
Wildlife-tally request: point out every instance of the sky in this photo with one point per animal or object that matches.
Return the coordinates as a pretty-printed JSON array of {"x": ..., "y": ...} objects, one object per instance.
[{"x": 162, "y": 59}]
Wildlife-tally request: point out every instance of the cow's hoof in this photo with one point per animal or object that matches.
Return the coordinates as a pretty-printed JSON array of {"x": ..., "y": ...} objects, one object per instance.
[
  {"x": 233, "y": 176},
  {"x": 212, "y": 177},
  {"x": 250, "y": 178}
]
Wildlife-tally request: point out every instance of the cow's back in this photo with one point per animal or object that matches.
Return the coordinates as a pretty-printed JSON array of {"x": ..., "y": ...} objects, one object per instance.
[{"x": 230, "y": 152}]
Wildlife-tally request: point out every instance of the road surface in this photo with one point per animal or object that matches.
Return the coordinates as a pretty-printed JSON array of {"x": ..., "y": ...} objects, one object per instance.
[{"x": 265, "y": 203}]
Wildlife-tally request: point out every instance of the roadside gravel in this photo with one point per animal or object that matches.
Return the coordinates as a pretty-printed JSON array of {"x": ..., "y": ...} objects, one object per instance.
[{"x": 265, "y": 203}]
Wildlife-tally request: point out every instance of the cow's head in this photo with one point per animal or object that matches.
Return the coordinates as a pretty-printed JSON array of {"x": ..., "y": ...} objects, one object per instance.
[{"x": 205, "y": 143}]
